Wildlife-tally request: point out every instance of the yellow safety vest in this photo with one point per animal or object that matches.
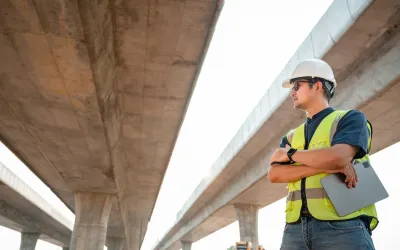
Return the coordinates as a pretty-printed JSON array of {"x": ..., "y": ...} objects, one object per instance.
[{"x": 318, "y": 203}]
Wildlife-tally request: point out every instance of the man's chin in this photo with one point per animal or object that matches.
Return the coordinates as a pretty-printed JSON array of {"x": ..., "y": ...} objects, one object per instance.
[{"x": 297, "y": 105}]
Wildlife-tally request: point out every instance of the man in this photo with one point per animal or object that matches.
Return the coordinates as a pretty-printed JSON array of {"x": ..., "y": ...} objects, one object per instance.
[{"x": 328, "y": 142}]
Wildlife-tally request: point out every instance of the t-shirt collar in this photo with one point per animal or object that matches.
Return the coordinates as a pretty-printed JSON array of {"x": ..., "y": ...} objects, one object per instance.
[{"x": 321, "y": 113}]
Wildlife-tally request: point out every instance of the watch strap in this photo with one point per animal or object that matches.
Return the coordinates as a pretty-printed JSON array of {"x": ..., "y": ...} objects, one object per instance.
[{"x": 290, "y": 153}]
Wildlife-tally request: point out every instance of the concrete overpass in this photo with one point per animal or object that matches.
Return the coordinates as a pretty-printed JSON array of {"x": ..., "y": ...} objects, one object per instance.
[
  {"x": 93, "y": 94},
  {"x": 361, "y": 41},
  {"x": 24, "y": 210}
]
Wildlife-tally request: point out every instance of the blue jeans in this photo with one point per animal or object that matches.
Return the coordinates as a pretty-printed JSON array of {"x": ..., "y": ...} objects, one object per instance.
[{"x": 311, "y": 234}]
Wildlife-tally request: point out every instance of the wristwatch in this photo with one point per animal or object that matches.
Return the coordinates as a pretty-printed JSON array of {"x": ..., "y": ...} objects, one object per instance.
[{"x": 291, "y": 152}]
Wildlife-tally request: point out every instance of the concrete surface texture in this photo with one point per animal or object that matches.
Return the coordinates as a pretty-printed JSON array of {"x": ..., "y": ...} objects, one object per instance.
[
  {"x": 24, "y": 210},
  {"x": 248, "y": 222},
  {"x": 361, "y": 41},
  {"x": 115, "y": 243},
  {"x": 93, "y": 95},
  {"x": 92, "y": 211},
  {"x": 28, "y": 241},
  {"x": 186, "y": 245}
]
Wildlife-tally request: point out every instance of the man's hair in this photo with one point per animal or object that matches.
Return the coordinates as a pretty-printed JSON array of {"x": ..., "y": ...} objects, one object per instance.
[{"x": 325, "y": 85}]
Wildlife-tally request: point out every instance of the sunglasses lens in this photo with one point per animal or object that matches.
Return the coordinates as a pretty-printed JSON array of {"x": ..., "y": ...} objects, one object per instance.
[{"x": 296, "y": 86}]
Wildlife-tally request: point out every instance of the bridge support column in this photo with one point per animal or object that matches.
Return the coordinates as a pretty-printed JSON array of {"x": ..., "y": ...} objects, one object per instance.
[
  {"x": 248, "y": 222},
  {"x": 186, "y": 245},
  {"x": 65, "y": 248},
  {"x": 91, "y": 219},
  {"x": 115, "y": 243},
  {"x": 28, "y": 241}
]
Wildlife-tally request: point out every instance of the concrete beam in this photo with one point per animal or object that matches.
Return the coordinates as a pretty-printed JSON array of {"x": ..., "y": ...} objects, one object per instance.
[
  {"x": 25, "y": 210},
  {"x": 18, "y": 217},
  {"x": 248, "y": 222},
  {"x": 28, "y": 241},
  {"x": 91, "y": 219},
  {"x": 28, "y": 224}
]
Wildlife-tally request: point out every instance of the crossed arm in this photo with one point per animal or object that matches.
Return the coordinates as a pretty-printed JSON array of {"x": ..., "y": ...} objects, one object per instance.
[{"x": 315, "y": 161}]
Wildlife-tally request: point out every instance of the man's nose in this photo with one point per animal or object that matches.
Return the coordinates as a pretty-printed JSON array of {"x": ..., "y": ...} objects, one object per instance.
[{"x": 293, "y": 93}]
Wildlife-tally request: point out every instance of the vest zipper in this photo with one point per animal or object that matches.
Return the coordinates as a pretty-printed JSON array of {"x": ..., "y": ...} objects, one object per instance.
[{"x": 304, "y": 207}]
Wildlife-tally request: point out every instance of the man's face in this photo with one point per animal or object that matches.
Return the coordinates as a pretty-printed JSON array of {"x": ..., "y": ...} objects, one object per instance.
[{"x": 301, "y": 94}]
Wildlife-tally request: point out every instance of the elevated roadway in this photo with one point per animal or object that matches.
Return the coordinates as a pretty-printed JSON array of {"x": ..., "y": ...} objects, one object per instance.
[
  {"x": 361, "y": 41},
  {"x": 24, "y": 210}
]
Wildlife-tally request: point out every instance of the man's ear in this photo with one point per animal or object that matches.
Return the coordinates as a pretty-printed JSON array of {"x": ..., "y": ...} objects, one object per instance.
[{"x": 319, "y": 86}]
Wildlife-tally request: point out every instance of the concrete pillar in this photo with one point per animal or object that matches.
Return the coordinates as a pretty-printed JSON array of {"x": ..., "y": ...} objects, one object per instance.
[
  {"x": 91, "y": 219},
  {"x": 135, "y": 223},
  {"x": 114, "y": 243},
  {"x": 65, "y": 248},
  {"x": 248, "y": 222},
  {"x": 186, "y": 245},
  {"x": 28, "y": 241}
]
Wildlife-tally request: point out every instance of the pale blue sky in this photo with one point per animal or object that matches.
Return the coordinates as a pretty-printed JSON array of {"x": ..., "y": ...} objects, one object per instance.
[{"x": 253, "y": 41}]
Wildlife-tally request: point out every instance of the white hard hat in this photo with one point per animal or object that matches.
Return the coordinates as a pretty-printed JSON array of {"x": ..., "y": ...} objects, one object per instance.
[{"x": 311, "y": 68}]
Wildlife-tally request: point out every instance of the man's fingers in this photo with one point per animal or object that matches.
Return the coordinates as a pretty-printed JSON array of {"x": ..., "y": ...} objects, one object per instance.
[
  {"x": 349, "y": 184},
  {"x": 355, "y": 177},
  {"x": 351, "y": 176},
  {"x": 348, "y": 173},
  {"x": 355, "y": 174},
  {"x": 347, "y": 178}
]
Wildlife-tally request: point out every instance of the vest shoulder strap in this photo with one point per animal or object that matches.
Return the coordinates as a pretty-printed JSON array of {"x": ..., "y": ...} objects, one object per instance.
[
  {"x": 290, "y": 134},
  {"x": 340, "y": 114}
]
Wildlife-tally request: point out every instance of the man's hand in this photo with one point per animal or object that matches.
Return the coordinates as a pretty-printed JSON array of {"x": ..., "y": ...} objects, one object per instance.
[
  {"x": 280, "y": 155},
  {"x": 350, "y": 173}
]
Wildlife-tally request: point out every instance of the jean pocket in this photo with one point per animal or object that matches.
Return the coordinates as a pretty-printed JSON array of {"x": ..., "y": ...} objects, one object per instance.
[
  {"x": 286, "y": 228},
  {"x": 349, "y": 225}
]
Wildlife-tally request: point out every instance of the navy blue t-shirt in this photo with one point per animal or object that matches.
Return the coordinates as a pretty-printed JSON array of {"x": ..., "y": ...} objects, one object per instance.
[{"x": 352, "y": 130}]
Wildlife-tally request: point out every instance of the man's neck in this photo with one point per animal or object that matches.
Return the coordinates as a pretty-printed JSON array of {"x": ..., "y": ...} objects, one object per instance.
[{"x": 315, "y": 109}]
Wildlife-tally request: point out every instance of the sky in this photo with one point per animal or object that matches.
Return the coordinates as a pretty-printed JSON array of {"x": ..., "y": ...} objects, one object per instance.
[{"x": 253, "y": 41}]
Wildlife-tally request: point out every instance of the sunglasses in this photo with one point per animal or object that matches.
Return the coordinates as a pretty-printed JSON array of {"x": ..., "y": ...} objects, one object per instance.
[{"x": 297, "y": 84}]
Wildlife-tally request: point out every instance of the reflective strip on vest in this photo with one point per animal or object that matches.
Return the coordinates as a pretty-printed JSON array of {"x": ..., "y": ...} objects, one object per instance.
[
  {"x": 289, "y": 136},
  {"x": 311, "y": 193},
  {"x": 334, "y": 125}
]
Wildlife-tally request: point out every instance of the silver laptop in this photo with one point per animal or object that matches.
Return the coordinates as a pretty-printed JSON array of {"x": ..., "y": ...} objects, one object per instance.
[{"x": 346, "y": 200}]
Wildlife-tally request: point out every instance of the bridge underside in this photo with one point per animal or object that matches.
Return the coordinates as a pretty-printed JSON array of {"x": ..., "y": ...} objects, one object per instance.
[{"x": 93, "y": 95}]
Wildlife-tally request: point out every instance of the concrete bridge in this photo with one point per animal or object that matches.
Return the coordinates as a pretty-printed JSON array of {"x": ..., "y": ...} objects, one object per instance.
[
  {"x": 92, "y": 97},
  {"x": 361, "y": 41},
  {"x": 24, "y": 210}
]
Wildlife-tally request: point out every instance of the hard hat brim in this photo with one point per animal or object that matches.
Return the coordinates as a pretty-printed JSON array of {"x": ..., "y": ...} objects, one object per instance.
[{"x": 286, "y": 84}]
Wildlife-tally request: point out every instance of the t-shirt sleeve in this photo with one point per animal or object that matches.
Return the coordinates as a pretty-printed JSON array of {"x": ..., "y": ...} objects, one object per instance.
[
  {"x": 352, "y": 130},
  {"x": 284, "y": 142}
]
